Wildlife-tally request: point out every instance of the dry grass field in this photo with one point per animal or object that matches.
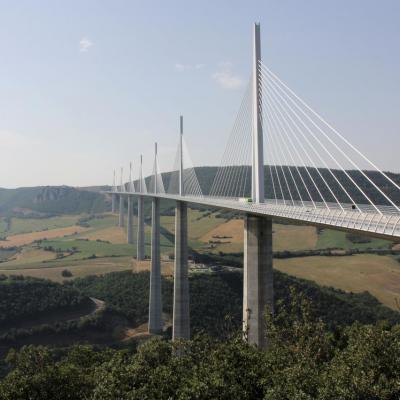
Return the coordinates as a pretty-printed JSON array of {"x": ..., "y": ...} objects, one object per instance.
[
  {"x": 294, "y": 237},
  {"x": 232, "y": 230},
  {"x": 27, "y": 225},
  {"x": 379, "y": 275},
  {"x": 229, "y": 234},
  {"x": 167, "y": 267},
  {"x": 112, "y": 234},
  {"x": 79, "y": 268},
  {"x": 27, "y": 238},
  {"x": 29, "y": 255}
]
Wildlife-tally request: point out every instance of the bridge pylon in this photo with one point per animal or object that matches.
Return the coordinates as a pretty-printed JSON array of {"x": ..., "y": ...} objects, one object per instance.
[
  {"x": 257, "y": 263},
  {"x": 181, "y": 317},
  {"x": 129, "y": 228},
  {"x": 155, "y": 300},
  {"x": 140, "y": 253},
  {"x": 121, "y": 220},
  {"x": 113, "y": 196},
  {"x": 257, "y": 170}
]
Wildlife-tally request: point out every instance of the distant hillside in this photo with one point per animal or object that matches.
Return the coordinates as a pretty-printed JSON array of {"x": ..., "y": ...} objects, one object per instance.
[
  {"x": 50, "y": 200},
  {"x": 55, "y": 200},
  {"x": 206, "y": 176}
]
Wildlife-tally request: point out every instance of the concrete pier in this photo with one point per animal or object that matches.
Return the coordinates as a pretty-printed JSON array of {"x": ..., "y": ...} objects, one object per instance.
[
  {"x": 258, "y": 292},
  {"x": 155, "y": 300},
  {"x": 181, "y": 317},
  {"x": 140, "y": 233},
  {"x": 129, "y": 230},
  {"x": 113, "y": 202},
  {"x": 121, "y": 221}
]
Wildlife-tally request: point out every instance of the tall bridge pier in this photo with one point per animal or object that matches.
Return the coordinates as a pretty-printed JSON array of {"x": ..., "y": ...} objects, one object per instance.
[
  {"x": 113, "y": 196},
  {"x": 257, "y": 263},
  {"x": 140, "y": 253},
  {"x": 121, "y": 219},
  {"x": 155, "y": 301},
  {"x": 129, "y": 226},
  {"x": 258, "y": 294},
  {"x": 140, "y": 230},
  {"x": 181, "y": 317},
  {"x": 113, "y": 202}
]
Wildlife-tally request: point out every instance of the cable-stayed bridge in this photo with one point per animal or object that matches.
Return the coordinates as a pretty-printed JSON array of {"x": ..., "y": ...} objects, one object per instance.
[{"x": 282, "y": 161}]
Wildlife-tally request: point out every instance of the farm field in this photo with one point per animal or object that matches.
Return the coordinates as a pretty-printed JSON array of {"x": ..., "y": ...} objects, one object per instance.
[
  {"x": 16, "y": 225},
  {"x": 28, "y": 254},
  {"x": 3, "y": 227},
  {"x": 78, "y": 268},
  {"x": 98, "y": 246},
  {"x": 329, "y": 238},
  {"x": 228, "y": 237},
  {"x": 167, "y": 267},
  {"x": 27, "y": 225},
  {"x": 379, "y": 275},
  {"x": 27, "y": 238}
]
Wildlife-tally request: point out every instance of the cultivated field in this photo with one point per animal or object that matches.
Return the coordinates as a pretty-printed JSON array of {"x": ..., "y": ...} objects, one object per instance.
[
  {"x": 167, "y": 267},
  {"x": 228, "y": 237},
  {"x": 27, "y": 225},
  {"x": 79, "y": 268},
  {"x": 379, "y": 275},
  {"x": 27, "y": 238},
  {"x": 100, "y": 246}
]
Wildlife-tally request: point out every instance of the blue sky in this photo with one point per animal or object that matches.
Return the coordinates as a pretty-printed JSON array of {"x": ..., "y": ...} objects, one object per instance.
[{"x": 86, "y": 86}]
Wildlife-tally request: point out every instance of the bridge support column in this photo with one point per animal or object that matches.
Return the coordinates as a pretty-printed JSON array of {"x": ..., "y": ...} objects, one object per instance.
[
  {"x": 257, "y": 278},
  {"x": 129, "y": 232},
  {"x": 155, "y": 301},
  {"x": 113, "y": 201},
  {"x": 181, "y": 320},
  {"x": 140, "y": 233},
  {"x": 121, "y": 221}
]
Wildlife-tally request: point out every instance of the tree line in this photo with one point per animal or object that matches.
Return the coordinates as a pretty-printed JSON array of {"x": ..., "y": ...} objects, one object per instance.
[{"x": 304, "y": 360}]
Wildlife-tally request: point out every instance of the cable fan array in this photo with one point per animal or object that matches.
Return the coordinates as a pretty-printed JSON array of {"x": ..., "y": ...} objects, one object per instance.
[
  {"x": 233, "y": 177},
  {"x": 308, "y": 162},
  {"x": 190, "y": 183},
  {"x": 329, "y": 170},
  {"x": 156, "y": 184}
]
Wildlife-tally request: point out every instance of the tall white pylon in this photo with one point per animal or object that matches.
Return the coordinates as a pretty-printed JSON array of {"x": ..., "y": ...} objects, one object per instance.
[
  {"x": 140, "y": 255},
  {"x": 141, "y": 175},
  {"x": 121, "y": 201},
  {"x": 181, "y": 188},
  {"x": 131, "y": 187},
  {"x": 122, "y": 186},
  {"x": 113, "y": 196},
  {"x": 155, "y": 167},
  {"x": 257, "y": 187}
]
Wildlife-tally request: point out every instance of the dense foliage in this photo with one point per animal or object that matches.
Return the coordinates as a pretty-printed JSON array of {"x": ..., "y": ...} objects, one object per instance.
[
  {"x": 304, "y": 361},
  {"x": 216, "y": 299},
  {"x": 28, "y": 297}
]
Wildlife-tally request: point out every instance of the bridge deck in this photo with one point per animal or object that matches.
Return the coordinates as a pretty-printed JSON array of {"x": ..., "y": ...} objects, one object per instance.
[{"x": 366, "y": 220}]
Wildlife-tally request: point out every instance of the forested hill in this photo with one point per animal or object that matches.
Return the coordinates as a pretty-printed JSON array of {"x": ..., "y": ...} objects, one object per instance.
[
  {"x": 50, "y": 200},
  {"x": 54, "y": 200}
]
